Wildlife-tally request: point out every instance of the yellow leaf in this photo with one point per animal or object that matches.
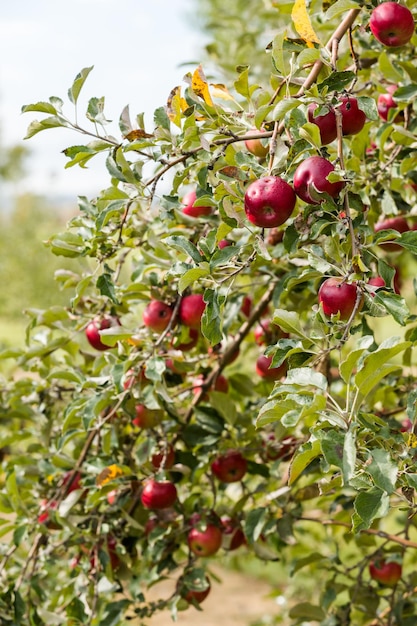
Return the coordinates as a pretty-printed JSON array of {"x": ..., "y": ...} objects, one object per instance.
[
  {"x": 221, "y": 91},
  {"x": 108, "y": 474},
  {"x": 412, "y": 440},
  {"x": 200, "y": 86},
  {"x": 176, "y": 104},
  {"x": 302, "y": 23}
]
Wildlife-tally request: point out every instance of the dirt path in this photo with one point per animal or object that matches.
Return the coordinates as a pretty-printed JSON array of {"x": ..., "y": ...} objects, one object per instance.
[{"x": 237, "y": 601}]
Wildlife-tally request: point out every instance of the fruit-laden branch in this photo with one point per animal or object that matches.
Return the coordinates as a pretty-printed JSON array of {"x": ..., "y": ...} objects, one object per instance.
[{"x": 232, "y": 348}]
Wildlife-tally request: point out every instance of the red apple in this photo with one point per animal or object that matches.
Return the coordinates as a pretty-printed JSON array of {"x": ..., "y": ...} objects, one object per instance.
[
  {"x": 397, "y": 223},
  {"x": 221, "y": 384},
  {"x": 392, "y": 24},
  {"x": 46, "y": 515},
  {"x": 310, "y": 180},
  {"x": 72, "y": 481},
  {"x": 386, "y": 102},
  {"x": 378, "y": 281},
  {"x": 269, "y": 201},
  {"x": 147, "y": 418},
  {"x": 353, "y": 118},
  {"x": 385, "y": 572},
  {"x": 246, "y": 306},
  {"x": 197, "y": 592},
  {"x": 224, "y": 243},
  {"x": 194, "y": 211},
  {"x": 205, "y": 540},
  {"x": 163, "y": 457},
  {"x": 191, "y": 310},
  {"x": 158, "y": 494},
  {"x": 263, "y": 368},
  {"x": 92, "y": 332},
  {"x": 326, "y": 123},
  {"x": 338, "y": 296},
  {"x": 157, "y": 315},
  {"x": 229, "y": 467},
  {"x": 112, "y": 497},
  {"x": 233, "y": 535},
  {"x": 132, "y": 378},
  {"x": 255, "y": 146}
]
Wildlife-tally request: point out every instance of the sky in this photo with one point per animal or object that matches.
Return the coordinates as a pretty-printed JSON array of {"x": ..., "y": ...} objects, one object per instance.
[{"x": 137, "y": 48}]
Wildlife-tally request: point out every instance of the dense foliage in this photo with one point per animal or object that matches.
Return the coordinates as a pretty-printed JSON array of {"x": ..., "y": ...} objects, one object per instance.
[{"x": 194, "y": 397}]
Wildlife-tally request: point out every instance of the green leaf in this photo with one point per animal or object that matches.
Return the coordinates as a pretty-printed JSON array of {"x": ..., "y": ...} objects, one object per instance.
[
  {"x": 307, "y": 611},
  {"x": 302, "y": 460},
  {"x": 351, "y": 362},
  {"x": 383, "y": 469},
  {"x": 341, "y": 6},
  {"x": 184, "y": 244},
  {"x": 77, "y": 85},
  {"x": 388, "y": 69},
  {"x": 211, "y": 321},
  {"x": 394, "y": 304},
  {"x": 375, "y": 367},
  {"x": 370, "y": 505},
  {"x": 105, "y": 285},
  {"x": 406, "y": 93},
  {"x": 285, "y": 105},
  {"x": 349, "y": 455},
  {"x": 67, "y": 244},
  {"x": 289, "y": 322},
  {"x": 254, "y": 523},
  {"x": 408, "y": 240},
  {"x": 54, "y": 121},
  {"x": 40, "y": 107},
  {"x": 306, "y": 376},
  {"x": 192, "y": 275},
  {"x": 368, "y": 106},
  {"x": 337, "y": 81},
  {"x": 242, "y": 83}
]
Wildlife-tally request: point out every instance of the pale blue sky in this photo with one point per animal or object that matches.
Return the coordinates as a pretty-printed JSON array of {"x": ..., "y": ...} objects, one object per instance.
[{"x": 136, "y": 47}]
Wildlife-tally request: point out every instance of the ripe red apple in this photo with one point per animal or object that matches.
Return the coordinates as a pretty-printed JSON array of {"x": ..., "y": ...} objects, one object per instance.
[
  {"x": 221, "y": 384},
  {"x": 147, "y": 418},
  {"x": 385, "y": 572},
  {"x": 194, "y": 211},
  {"x": 205, "y": 540},
  {"x": 196, "y": 593},
  {"x": 310, "y": 180},
  {"x": 392, "y": 24},
  {"x": 92, "y": 332},
  {"x": 233, "y": 535},
  {"x": 326, "y": 123},
  {"x": 163, "y": 457},
  {"x": 269, "y": 201},
  {"x": 338, "y": 296},
  {"x": 386, "y": 102},
  {"x": 255, "y": 146},
  {"x": 112, "y": 497},
  {"x": 46, "y": 515},
  {"x": 132, "y": 378},
  {"x": 157, "y": 315},
  {"x": 397, "y": 223},
  {"x": 72, "y": 481},
  {"x": 353, "y": 118},
  {"x": 229, "y": 467},
  {"x": 191, "y": 310},
  {"x": 263, "y": 368},
  {"x": 246, "y": 306},
  {"x": 158, "y": 494},
  {"x": 224, "y": 243}
]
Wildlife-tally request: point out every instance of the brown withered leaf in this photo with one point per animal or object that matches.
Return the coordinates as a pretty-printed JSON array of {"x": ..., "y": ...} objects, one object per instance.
[
  {"x": 108, "y": 474},
  {"x": 137, "y": 134}
]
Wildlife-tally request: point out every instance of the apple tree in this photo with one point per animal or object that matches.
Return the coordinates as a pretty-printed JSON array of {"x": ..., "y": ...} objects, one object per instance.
[{"x": 234, "y": 368}]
